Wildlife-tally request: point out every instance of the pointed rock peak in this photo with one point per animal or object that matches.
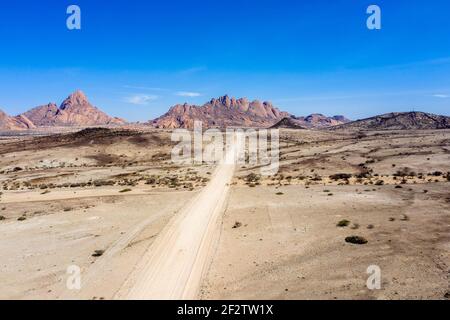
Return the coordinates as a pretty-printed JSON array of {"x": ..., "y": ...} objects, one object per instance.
[
  {"x": 224, "y": 100},
  {"x": 76, "y": 98},
  {"x": 78, "y": 95}
]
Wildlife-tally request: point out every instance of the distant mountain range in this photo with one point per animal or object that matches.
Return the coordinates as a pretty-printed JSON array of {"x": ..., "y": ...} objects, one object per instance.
[
  {"x": 222, "y": 112},
  {"x": 231, "y": 112},
  {"x": 74, "y": 111}
]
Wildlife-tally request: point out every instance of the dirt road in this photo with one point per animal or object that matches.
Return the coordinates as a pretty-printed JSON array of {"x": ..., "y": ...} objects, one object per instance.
[{"x": 174, "y": 264}]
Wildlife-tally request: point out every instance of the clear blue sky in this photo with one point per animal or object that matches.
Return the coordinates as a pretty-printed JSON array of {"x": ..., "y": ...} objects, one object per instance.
[{"x": 134, "y": 59}]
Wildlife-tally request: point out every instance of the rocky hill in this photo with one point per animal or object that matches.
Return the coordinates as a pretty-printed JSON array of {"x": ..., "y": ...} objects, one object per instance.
[
  {"x": 74, "y": 111},
  {"x": 288, "y": 123},
  {"x": 399, "y": 121}
]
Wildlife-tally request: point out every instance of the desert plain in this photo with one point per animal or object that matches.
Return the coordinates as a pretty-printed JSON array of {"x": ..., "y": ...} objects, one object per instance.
[{"x": 103, "y": 199}]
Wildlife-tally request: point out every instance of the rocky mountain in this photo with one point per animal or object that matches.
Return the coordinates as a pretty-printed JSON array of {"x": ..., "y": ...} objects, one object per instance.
[
  {"x": 399, "y": 121},
  {"x": 74, "y": 111},
  {"x": 221, "y": 112},
  {"x": 14, "y": 123}
]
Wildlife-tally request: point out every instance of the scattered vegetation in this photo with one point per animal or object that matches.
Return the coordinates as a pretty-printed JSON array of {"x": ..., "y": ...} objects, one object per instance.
[
  {"x": 405, "y": 172},
  {"x": 340, "y": 176}
]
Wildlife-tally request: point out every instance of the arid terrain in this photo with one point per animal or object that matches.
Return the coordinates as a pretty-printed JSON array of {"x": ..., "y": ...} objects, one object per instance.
[
  {"x": 283, "y": 237},
  {"x": 106, "y": 200}
]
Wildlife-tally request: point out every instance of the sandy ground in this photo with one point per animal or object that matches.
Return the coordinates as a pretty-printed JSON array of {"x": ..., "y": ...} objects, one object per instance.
[
  {"x": 289, "y": 246},
  {"x": 37, "y": 252}
]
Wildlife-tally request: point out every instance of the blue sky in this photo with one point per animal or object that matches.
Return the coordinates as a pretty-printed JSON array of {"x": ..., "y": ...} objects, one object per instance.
[{"x": 135, "y": 59}]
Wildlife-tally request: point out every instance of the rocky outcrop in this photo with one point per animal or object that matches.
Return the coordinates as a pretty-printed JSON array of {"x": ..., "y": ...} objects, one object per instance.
[
  {"x": 14, "y": 123},
  {"x": 317, "y": 120}
]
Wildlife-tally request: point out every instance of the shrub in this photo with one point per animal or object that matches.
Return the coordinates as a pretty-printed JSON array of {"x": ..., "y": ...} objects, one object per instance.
[
  {"x": 343, "y": 223},
  {"x": 98, "y": 253},
  {"x": 125, "y": 190},
  {"x": 237, "y": 224},
  {"x": 356, "y": 240}
]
